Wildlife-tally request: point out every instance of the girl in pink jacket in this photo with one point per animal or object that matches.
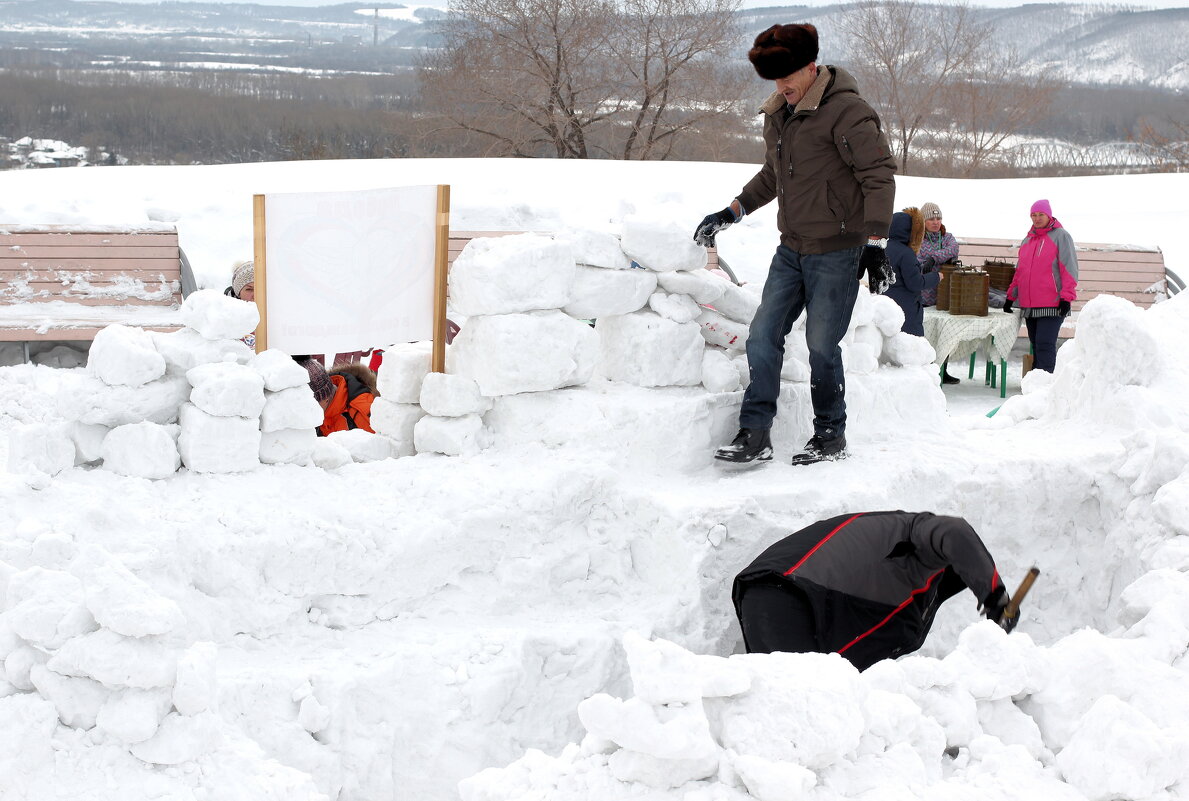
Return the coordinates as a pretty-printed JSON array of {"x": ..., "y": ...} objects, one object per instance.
[{"x": 1045, "y": 283}]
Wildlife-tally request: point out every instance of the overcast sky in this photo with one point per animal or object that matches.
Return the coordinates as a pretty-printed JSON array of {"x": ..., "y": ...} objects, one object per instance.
[{"x": 746, "y": 3}]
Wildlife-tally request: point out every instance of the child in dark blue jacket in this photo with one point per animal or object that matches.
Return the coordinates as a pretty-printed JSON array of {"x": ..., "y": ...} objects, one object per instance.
[{"x": 904, "y": 240}]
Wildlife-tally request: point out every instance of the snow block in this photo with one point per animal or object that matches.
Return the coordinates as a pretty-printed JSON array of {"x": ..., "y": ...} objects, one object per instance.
[
  {"x": 228, "y": 390},
  {"x": 678, "y": 308},
  {"x": 217, "y": 316},
  {"x": 210, "y": 444},
  {"x": 329, "y": 454},
  {"x": 121, "y": 601},
  {"x": 718, "y": 330},
  {"x": 186, "y": 348},
  {"x": 141, "y": 450},
  {"x": 278, "y": 370},
  {"x": 90, "y": 401},
  {"x": 510, "y": 353},
  {"x": 886, "y": 315},
  {"x": 908, "y": 350},
  {"x": 508, "y": 274},
  {"x": 77, "y": 700},
  {"x": 88, "y": 440},
  {"x": 445, "y": 395},
  {"x": 364, "y": 446},
  {"x": 701, "y": 285},
  {"x": 287, "y": 445},
  {"x": 291, "y": 408},
  {"x": 661, "y": 246},
  {"x": 122, "y": 356},
  {"x": 116, "y": 660},
  {"x": 46, "y": 608},
  {"x": 40, "y": 448},
  {"x": 133, "y": 716},
  {"x": 718, "y": 372},
  {"x": 179, "y": 739},
  {"x": 397, "y": 421},
  {"x": 598, "y": 292},
  {"x": 738, "y": 304},
  {"x": 196, "y": 687},
  {"x": 648, "y": 350},
  {"x": 595, "y": 248},
  {"x": 453, "y": 436},
  {"x": 405, "y": 367}
]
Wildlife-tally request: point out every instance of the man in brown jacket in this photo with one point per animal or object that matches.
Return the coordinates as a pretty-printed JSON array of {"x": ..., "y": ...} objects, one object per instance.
[{"x": 829, "y": 166}]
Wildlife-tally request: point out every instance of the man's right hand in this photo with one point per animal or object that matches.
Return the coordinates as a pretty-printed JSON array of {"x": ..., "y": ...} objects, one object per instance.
[
  {"x": 711, "y": 224},
  {"x": 1007, "y": 305}
]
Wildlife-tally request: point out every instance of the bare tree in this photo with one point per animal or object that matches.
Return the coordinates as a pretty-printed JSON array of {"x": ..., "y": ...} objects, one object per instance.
[
  {"x": 526, "y": 74},
  {"x": 579, "y": 79},
  {"x": 1167, "y": 141},
  {"x": 904, "y": 53},
  {"x": 991, "y": 103},
  {"x": 674, "y": 55}
]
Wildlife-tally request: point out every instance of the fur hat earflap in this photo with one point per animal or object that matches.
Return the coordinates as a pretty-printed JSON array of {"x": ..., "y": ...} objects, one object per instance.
[
  {"x": 917, "y": 235},
  {"x": 360, "y": 371},
  {"x": 783, "y": 49}
]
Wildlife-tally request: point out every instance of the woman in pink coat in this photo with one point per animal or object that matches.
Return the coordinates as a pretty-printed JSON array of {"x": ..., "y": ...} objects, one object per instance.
[{"x": 1045, "y": 283}]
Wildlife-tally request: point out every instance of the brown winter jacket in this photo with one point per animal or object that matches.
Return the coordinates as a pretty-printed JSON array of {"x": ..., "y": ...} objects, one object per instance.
[{"x": 829, "y": 164}]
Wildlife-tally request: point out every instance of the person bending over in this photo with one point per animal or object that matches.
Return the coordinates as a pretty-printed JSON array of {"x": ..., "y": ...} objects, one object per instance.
[{"x": 865, "y": 585}]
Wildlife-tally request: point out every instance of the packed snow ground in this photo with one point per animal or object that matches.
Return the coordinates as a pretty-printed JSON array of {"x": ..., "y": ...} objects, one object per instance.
[{"x": 389, "y": 629}]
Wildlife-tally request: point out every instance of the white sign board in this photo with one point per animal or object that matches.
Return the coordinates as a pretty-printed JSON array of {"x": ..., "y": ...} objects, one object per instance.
[{"x": 349, "y": 271}]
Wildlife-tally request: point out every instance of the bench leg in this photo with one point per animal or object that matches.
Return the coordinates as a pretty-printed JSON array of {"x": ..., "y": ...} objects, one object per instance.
[
  {"x": 1003, "y": 383},
  {"x": 971, "y": 374},
  {"x": 25, "y": 350}
]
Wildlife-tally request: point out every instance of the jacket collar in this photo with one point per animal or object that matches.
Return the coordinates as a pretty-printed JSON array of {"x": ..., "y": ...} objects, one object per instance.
[{"x": 811, "y": 101}]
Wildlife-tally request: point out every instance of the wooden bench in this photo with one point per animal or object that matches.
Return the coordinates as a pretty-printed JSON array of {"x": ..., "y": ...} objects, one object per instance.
[
  {"x": 458, "y": 240},
  {"x": 61, "y": 282},
  {"x": 1128, "y": 271}
]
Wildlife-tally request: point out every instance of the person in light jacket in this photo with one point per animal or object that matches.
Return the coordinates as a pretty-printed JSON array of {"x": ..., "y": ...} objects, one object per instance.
[
  {"x": 937, "y": 248},
  {"x": 1045, "y": 283},
  {"x": 865, "y": 586}
]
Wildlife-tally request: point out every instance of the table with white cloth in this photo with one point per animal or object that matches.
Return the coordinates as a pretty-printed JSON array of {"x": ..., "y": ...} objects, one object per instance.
[{"x": 955, "y": 336}]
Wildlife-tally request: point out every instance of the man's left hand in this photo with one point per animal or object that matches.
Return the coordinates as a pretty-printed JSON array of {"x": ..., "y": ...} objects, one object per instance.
[{"x": 1063, "y": 308}]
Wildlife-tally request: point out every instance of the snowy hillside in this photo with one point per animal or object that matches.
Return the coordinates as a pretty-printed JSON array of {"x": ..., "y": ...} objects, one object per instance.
[{"x": 549, "y": 618}]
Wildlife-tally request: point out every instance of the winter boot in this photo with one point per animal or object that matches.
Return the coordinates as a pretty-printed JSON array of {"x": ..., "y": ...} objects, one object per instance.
[
  {"x": 822, "y": 450},
  {"x": 749, "y": 445},
  {"x": 950, "y": 379}
]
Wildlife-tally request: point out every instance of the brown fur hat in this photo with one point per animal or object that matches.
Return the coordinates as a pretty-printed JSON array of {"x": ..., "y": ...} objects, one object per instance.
[
  {"x": 360, "y": 371},
  {"x": 917, "y": 236},
  {"x": 783, "y": 49}
]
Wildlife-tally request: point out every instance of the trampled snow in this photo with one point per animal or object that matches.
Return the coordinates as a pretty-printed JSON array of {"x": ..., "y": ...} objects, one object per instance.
[{"x": 548, "y": 617}]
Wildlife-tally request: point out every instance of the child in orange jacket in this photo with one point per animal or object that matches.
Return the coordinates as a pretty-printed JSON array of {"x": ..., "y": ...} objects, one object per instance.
[{"x": 345, "y": 394}]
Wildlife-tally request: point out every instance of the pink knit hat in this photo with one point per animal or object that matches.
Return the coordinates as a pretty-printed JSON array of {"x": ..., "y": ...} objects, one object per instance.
[{"x": 1042, "y": 206}]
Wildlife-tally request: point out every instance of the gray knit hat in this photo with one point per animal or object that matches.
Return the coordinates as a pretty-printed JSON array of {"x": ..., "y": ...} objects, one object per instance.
[
  {"x": 930, "y": 210},
  {"x": 245, "y": 273}
]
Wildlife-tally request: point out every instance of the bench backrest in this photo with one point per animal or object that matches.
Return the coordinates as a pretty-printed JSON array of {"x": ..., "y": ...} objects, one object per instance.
[
  {"x": 1129, "y": 271},
  {"x": 90, "y": 266}
]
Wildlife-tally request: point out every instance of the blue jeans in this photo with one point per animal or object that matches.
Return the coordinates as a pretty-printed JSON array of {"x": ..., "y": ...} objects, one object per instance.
[{"x": 826, "y": 285}]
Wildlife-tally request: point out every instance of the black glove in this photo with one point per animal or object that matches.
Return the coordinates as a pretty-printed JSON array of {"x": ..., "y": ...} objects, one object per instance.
[
  {"x": 874, "y": 262},
  {"x": 1063, "y": 308},
  {"x": 711, "y": 224},
  {"x": 995, "y": 608},
  {"x": 1007, "y": 305},
  {"x": 928, "y": 265}
]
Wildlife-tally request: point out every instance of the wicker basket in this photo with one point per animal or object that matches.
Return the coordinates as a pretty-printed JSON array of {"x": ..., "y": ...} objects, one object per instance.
[
  {"x": 1001, "y": 273},
  {"x": 943, "y": 288},
  {"x": 968, "y": 292}
]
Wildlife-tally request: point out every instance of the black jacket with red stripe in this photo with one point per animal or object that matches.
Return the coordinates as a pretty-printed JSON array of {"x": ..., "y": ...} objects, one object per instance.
[{"x": 875, "y": 579}]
